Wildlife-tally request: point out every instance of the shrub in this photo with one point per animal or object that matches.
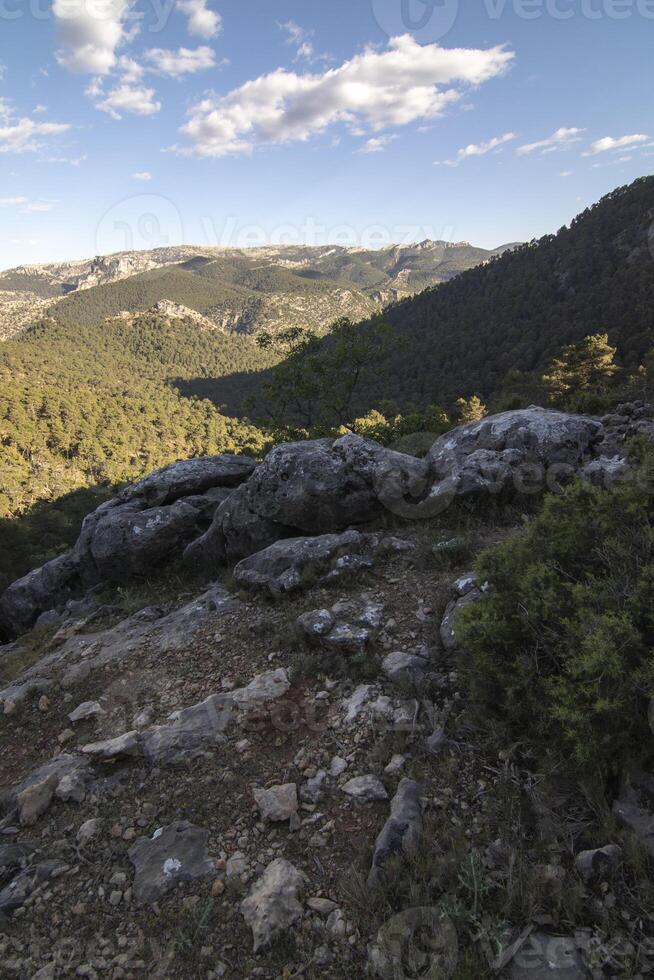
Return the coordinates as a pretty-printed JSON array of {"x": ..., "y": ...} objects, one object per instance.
[{"x": 564, "y": 645}]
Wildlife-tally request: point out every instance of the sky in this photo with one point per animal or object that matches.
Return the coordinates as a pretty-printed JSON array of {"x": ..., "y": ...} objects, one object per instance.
[{"x": 143, "y": 123}]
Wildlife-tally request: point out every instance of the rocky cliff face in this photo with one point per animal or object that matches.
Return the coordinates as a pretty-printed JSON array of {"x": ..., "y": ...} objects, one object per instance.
[{"x": 218, "y": 785}]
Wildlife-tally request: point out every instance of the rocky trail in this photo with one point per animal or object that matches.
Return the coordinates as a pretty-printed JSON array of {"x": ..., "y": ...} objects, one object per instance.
[{"x": 272, "y": 772}]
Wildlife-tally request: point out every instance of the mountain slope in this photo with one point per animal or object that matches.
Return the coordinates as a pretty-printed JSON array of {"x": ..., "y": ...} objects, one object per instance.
[
  {"x": 516, "y": 312},
  {"x": 242, "y": 290}
]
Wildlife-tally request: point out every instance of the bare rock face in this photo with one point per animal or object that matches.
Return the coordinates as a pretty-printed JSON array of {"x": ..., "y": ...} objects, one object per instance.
[
  {"x": 145, "y": 526},
  {"x": 274, "y": 903},
  {"x": 315, "y": 487},
  {"x": 174, "y": 854},
  {"x": 522, "y": 451}
]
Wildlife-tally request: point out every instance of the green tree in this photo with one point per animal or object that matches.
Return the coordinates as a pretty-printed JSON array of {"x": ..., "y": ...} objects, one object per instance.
[
  {"x": 584, "y": 368},
  {"x": 470, "y": 409},
  {"x": 316, "y": 383}
]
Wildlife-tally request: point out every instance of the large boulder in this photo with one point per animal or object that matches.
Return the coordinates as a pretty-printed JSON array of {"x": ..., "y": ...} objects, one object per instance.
[
  {"x": 313, "y": 487},
  {"x": 525, "y": 450},
  {"x": 147, "y": 524}
]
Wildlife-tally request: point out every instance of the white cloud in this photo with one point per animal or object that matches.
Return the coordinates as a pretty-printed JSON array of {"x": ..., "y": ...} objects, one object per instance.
[
  {"x": 135, "y": 99},
  {"x": 477, "y": 150},
  {"x": 202, "y": 22},
  {"x": 143, "y": 175},
  {"x": 611, "y": 143},
  {"x": 300, "y": 38},
  {"x": 566, "y": 173},
  {"x": 182, "y": 62},
  {"x": 25, "y": 206},
  {"x": 372, "y": 91},
  {"x": 295, "y": 34},
  {"x": 71, "y": 161},
  {"x": 38, "y": 110},
  {"x": 90, "y": 33},
  {"x": 559, "y": 140},
  {"x": 130, "y": 70},
  {"x": 25, "y": 135},
  {"x": 377, "y": 144}
]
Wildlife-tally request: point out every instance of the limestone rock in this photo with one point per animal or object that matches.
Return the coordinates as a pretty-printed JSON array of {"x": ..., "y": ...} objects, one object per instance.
[
  {"x": 274, "y": 903},
  {"x": 589, "y": 864},
  {"x": 546, "y": 957},
  {"x": 277, "y": 804},
  {"x": 367, "y": 789},
  {"x": 176, "y": 853},
  {"x": 293, "y": 564},
  {"x": 402, "y": 831}
]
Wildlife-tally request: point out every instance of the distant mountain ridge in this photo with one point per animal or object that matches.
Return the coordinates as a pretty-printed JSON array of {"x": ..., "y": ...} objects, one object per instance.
[{"x": 241, "y": 290}]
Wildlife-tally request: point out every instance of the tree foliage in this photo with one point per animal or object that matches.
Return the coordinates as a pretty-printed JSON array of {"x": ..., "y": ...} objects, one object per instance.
[{"x": 564, "y": 645}]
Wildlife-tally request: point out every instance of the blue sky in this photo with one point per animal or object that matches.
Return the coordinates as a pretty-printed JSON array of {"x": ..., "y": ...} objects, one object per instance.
[{"x": 235, "y": 122}]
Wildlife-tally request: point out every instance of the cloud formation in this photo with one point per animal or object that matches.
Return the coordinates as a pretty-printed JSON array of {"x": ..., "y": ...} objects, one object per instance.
[
  {"x": 377, "y": 144},
  {"x": 184, "y": 61},
  {"x": 202, "y": 22},
  {"x": 138, "y": 100},
  {"x": 373, "y": 91},
  {"x": 559, "y": 140},
  {"x": 619, "y": 143},
  {"x": 477, "y": 150},
  {"x": 25, "y": 135},
  {"x": 143, "y": 175},
  {"x": 89, "y": 33}
]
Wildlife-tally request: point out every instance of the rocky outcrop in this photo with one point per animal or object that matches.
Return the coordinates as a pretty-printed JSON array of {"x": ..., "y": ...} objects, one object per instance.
[
  {"x": 225, "y": 508},
  {"x": 313, "y": 487},
  {"x": 146, "y": 525}
]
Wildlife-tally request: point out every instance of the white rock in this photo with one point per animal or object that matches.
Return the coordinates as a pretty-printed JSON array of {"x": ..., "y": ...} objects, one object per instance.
[
  {"x": 85, "y": 710},
  {"x": 274, "y": 903},
  {"x": 366, "y": 788},
  {"x": 278, "y": 803}
]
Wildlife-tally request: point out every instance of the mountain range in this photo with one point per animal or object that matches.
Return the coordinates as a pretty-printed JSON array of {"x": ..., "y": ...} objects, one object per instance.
[{"x": 239, "y": 290}]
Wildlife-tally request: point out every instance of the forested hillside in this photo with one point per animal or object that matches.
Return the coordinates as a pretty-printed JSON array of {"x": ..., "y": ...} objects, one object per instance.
[{"x": 518, "y": 311}]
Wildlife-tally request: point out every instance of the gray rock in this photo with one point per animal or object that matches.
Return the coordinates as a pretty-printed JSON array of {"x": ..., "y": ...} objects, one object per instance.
[
  {"x": 402, "y": 667},
  {"x": 402, "y": 831},
  {"x": 599, "y": 861},
  {"x": 14, "y": 855},
  {"x": 269, "y": 686},
  {"x": 176, "y": 853},
  {"x": 347, "y": 627},
  {"x": 277, "y": 804},
  {"x": 88, "y": 831},
  {"x": 313, "y": 790},
  {"x": 367, "y": 789},
  {"x": 274, "y": 904},
  {"x": 31, "y": 798},
  {"x": 545, "y": 957},
  {"x": 193, "y": 732},
  {"x": 294, "y": 564},
  {"x": 426, "y": 934},
  {"x": 313, "y": 487},
  {"x": 517, "y": 450},
  {"x": 123, "y": 746},
  {"x": 24, "y": 884},
  {"x": 147, "y": 524},
  {"x": 86, "y": 710},
  {"x": 448, "y": 625},
  {"x": 188, "y": 477}
]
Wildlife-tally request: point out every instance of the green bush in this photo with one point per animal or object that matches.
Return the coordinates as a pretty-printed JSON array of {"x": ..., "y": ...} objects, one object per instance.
[{"x": 564, "y": 645}]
